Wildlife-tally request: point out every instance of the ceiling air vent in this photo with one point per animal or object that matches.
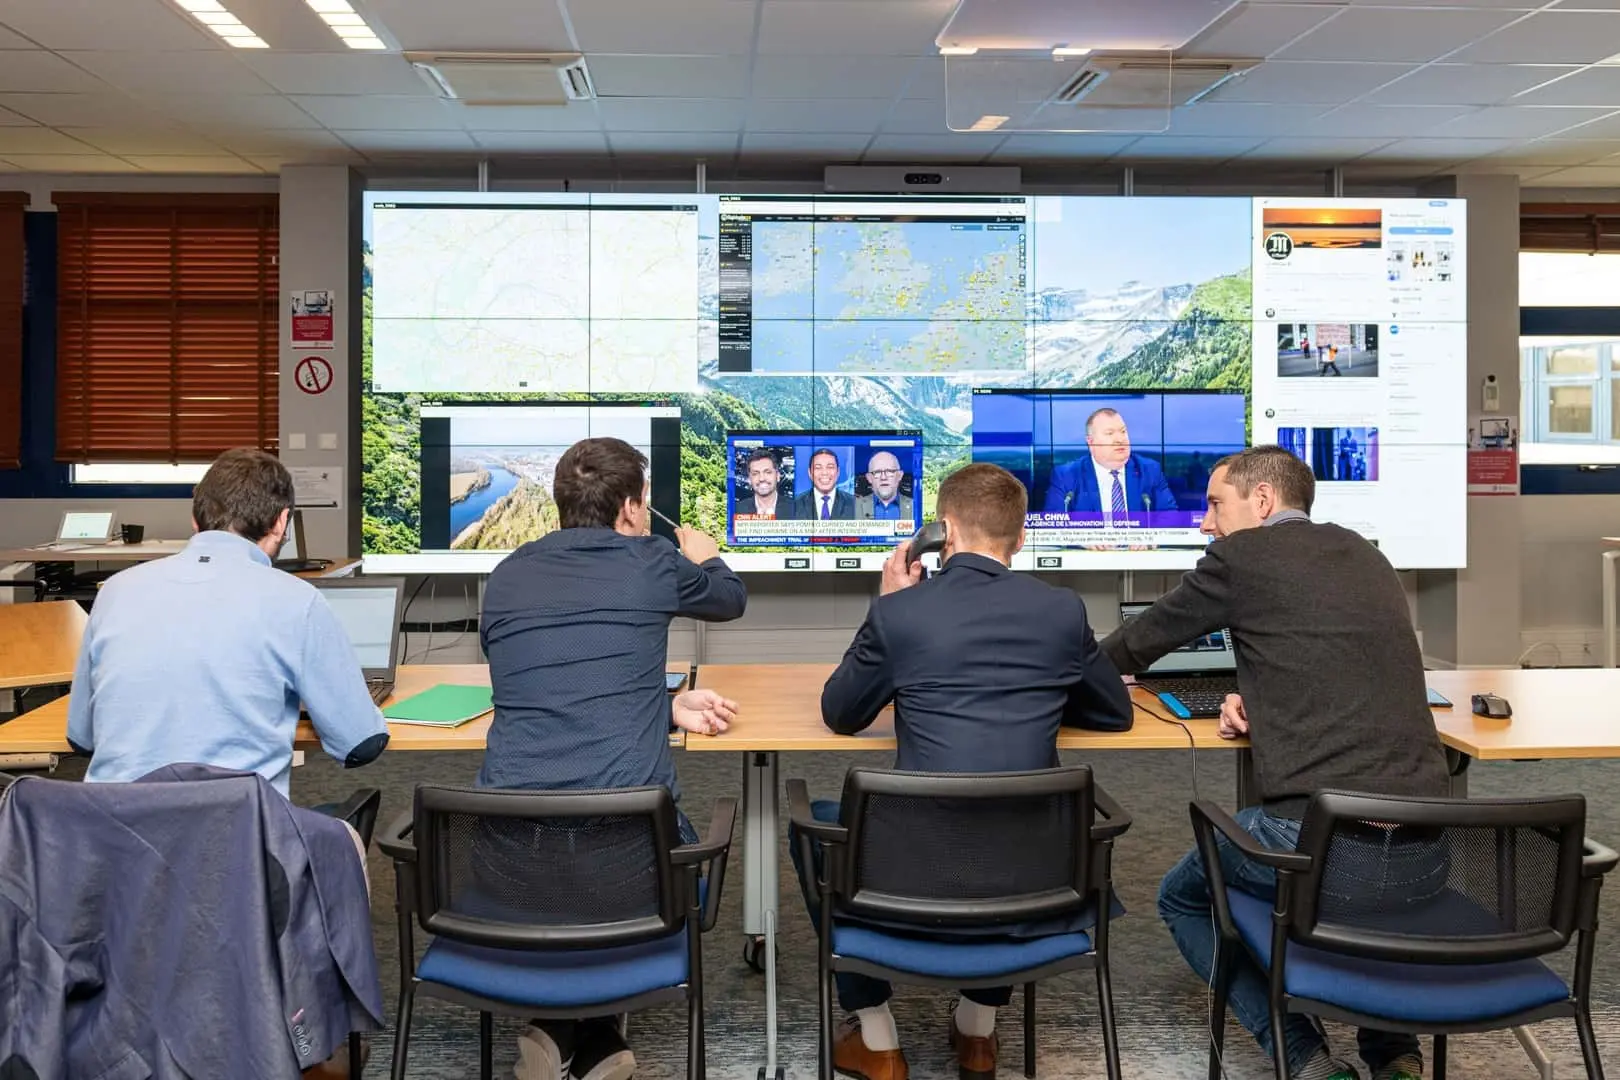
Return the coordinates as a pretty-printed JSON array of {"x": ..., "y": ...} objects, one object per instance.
[
  {"x": 506, "y": 78},
  {"x": 1146, "y": 82}
]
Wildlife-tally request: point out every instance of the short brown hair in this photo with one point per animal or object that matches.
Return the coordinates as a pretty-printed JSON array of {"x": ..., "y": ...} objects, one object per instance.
[
  {"x": 244, "y": 491},
  {"x": 594, "y": 478},
  {"x": 985, "y": 500},
  {"x": 1288, "y": 476}
]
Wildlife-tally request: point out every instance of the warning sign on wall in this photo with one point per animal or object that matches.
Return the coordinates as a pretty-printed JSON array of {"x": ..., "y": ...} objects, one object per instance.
[
  {"x": 313, "y": 319},
  {"x": 313, "y": 374}
]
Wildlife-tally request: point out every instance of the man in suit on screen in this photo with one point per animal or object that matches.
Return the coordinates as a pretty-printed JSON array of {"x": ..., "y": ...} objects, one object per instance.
[
  {"x": 765, "y": 480},
  {"x": 1109, "y": 480},
  {"x": 824, "y": 502},
  {"x": 884, "y": 474}
]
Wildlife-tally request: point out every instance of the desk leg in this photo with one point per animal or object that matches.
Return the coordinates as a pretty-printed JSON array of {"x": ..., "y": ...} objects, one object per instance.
[
  {"x": 1457, "y": 765},
  {"x": 1609, "y": 604},
  {"x": 1246, "y": 796},
  {"x": 761, "y": 878}
]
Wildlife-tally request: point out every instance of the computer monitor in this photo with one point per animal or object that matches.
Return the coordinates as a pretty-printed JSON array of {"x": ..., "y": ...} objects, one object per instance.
[
  {"x": 294, "y": 547},
  {"x": 368, "y": 608},
  {"x": 85, "y": 527},
  {"x": 1207, "y": 655}
]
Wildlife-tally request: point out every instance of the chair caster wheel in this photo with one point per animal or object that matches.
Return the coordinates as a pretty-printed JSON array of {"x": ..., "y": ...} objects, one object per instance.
[
  {"x": 780, "y": 1074},
  {"x": 754, "y": 954}
]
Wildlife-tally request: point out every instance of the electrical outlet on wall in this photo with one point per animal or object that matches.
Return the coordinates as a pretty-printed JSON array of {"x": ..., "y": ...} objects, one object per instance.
[{"x": 328, "y": 441}]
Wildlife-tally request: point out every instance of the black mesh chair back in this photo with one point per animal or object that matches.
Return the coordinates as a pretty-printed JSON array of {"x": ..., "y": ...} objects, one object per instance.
[
  {"x": 978, "y": 849},
  {"x": 585, "y": 869},
  {"x": 1439, "y": 881}
]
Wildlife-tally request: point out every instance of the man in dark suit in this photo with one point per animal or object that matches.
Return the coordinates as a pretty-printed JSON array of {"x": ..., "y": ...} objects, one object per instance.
[
  {"x": 1331, "y": 695},
  {"x": 1110, "y": 479},
  {"x": 983, "y": 666},
  {"x": 764, "y": 482},
  {"x": 824, "y": 501}
]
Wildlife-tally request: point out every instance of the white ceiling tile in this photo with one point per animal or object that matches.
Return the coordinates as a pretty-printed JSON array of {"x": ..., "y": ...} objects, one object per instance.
[
  {"x": 1469, "y": 84},
  {"x": 920, "y": 118},
  {"x": 193, "y": 72},
  {"x": 192, "y": 164},
  {"x": 1314, "y": 150},
  {"x": 97, "y": 24},
  {"x": 1257, "y": 31},
  {"x": 843, "y": 27},
  {"x": 81, "y": 110},
  {"x": 927, "y": 77},
  {"x": 800, "y": 116},
  {"x": 71, "y": 163},
  {"x": 335, "y": 73},
  {"x": 1490, "y": 166},
  {"x": 1588, "y": 86},
  {"x": 1308, "y": 82},
  {"x": 231, "y": 110},
  {"x": 1364, "y": 170},
  {"x": 1514, "y": 122},
  {"x": 670, "y": 114},
  {"x": 541, "y": 142},
  {"x": 807, "y": 77},
  {"x": 274, "y": 141},
  {"x": 381, "y": 113},
  {"x": 1607, "y": 127},
  {"x": 1061, "y": 147},
  {"x": 408, "y": 141},
  {"x": 1415, "y": 35},
  {"x": 1386, "y": 121},
  {"x": 40, "y": 140},
  {"x": 473, "y": 25},
  {"x": 8, "y": 167},
  {"x": 274, "y": 162},
  {"x": 124, "y": 141},
  {"x": 847, "y": 144},
  {"x": 669, "y": 76},
  {"x": 956, "y": 147},
  {"x": 1442, "y": 150},
  {"x": 717, "y": 27},
  {"x": 1551, "y": 37},
  {"x": 1179, "y": 147},
  {"x": 1582, "y": 176},
  {"x": 1561, "y": 152},
  {"x": 575, "y": 116},
  {"x": 9, "y": 40},
  {"x": 11, "y": 119},
  {"x": 1227, "y": 118},
  {"x": 36, "y": 71},
  {"x": 714, "y": 143}
]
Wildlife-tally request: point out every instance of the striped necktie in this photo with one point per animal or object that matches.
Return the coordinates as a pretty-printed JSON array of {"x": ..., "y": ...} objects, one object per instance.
[{"x": 1117, "y": 500}]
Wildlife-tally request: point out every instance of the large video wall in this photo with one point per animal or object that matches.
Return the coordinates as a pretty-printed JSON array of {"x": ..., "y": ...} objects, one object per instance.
[{"x": 802, "y": 371}]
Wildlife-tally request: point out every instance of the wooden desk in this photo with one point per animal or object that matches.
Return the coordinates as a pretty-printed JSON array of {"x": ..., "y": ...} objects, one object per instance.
[
  {"x": 1557, "y": 713},
  {"x": 39, "y": 643},
  {"x": 116, "y": 551}
]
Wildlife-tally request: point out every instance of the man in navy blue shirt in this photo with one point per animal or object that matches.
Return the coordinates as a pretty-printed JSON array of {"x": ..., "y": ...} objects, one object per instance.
[{"x": 576, "y": 628}]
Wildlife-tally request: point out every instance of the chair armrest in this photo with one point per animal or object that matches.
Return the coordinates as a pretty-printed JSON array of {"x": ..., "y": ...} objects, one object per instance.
[
  {"x": 6, "y": 780},
  {"x": 714, "y": 849},
  {"x": 395, "y": 840},
  {"x": 360, "y": 811},
  {"x": 1598, "y": 860},
  {"x": 1117, "y": 820},
  {"x": 1206, "y": 814},
  {"x": 804, "y": 819}
]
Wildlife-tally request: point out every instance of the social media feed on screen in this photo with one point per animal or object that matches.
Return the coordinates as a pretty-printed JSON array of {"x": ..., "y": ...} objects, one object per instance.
[
  {"x": 847, "y": 489},
  {"x": 1106, "y": 469},
  {"x": 488, "y": 470}
]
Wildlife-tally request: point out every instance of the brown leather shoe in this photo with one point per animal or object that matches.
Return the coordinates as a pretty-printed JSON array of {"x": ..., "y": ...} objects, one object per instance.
[
  {"x": 975, "y": 1054},
  {"x": 850, "y": 1055}
]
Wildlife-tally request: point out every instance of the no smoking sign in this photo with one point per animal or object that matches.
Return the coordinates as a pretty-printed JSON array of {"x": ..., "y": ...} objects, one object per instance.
[{"x": 313, "y": 374}]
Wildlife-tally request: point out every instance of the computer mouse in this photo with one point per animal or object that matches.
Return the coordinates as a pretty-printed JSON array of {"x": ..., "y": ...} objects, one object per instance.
[{"x": 1494, "y": 706}]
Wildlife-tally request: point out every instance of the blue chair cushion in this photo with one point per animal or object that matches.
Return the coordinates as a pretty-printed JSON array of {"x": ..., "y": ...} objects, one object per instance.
[
  {"x": 970, "y": 958},
  {"x": 1415, "y": 993},
  {"x": 557, "y": 979}
]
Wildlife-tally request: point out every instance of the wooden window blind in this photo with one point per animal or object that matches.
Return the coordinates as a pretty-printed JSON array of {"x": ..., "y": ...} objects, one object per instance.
[
  {"x": 12, "y": 205},
  {"x": 1585, "y": 228},
  {"x": 167, "y": 326}
]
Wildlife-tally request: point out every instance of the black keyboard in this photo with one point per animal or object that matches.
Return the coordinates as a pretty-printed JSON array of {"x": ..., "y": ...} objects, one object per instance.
[{"x": 1201, "y": 697}]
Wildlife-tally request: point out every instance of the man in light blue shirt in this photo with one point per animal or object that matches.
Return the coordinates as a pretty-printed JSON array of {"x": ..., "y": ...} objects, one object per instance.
[{"x": 206, "y": 655}]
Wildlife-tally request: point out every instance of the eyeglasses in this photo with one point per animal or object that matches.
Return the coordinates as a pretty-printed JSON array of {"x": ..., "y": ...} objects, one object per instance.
[{"x": 883, "y": 472}]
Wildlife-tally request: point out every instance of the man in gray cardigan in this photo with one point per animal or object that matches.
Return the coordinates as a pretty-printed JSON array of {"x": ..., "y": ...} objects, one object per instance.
[{"x": 1331, "y": 695}]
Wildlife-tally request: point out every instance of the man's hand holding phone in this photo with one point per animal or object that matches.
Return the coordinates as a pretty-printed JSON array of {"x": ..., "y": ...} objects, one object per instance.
[
  {"x": 697, "y": 546},
  {"x": 899, "y": 572}
]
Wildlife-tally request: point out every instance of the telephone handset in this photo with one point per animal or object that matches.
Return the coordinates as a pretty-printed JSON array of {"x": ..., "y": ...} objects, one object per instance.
[{"x": 931, "y": 537}]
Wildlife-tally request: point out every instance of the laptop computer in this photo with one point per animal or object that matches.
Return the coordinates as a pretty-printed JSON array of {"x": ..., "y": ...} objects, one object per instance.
[
  {"x": 1193, "y": 680},
  {"x": 292, "y": 557},
  {"x": 82, "y": 529},
  {"x": 368, "y": 608}
]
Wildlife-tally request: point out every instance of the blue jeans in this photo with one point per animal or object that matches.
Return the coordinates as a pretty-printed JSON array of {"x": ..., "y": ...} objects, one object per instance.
[
  {"x": 1185, "y": 907},
  {"x": 857, "y": 991}
]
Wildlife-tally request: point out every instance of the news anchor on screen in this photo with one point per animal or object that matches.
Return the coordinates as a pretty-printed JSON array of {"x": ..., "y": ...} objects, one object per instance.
[
  {"x": 824, "y": 502},
  {"x": 1110, "y": 480},
  {"x": 885, "y": 503},
  {"x": 765, "y": 478}
]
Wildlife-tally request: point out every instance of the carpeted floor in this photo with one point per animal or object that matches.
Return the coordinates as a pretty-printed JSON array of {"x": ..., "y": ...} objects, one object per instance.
[{"x": 1160, "y": 1004}]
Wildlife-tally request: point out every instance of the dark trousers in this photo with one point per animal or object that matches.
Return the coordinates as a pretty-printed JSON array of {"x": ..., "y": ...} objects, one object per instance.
[{"x": 857, "y": 991}]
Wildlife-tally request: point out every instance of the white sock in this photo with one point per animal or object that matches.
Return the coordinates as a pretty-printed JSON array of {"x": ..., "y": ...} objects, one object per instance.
[
  {"x": 974, "y": 1019},
  {"x": 877, "y": 1028}
]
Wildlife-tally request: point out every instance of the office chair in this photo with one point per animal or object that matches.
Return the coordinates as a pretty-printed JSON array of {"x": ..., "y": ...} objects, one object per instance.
[
  {"x": 555, "y": 905},
  {"x": 1009, "y": 864},
  {"x": 1425, "y": 916}
]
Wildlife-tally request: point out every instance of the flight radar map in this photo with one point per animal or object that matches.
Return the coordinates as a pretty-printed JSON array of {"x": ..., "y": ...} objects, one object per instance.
[{"x": 558, "y": 300}]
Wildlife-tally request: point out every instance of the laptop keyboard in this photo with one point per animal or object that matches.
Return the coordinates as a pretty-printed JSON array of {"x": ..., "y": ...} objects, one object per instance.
[
  {"x": 1202, "y": 697},
  {"x": 380, "y": 691}
]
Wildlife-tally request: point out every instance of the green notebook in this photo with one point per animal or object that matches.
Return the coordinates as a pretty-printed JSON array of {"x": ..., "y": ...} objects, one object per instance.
[{"x": 445, "y": 705}]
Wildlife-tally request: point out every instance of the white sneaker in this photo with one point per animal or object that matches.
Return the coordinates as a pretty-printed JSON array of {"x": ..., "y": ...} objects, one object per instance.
[{"x": 538, "y": 1057}]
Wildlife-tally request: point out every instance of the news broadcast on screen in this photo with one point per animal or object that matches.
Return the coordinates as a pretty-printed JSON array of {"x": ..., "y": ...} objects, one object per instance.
[{"x": 803, "y": 371}]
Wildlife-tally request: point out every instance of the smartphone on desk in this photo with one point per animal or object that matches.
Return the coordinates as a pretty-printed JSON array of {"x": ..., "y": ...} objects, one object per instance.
[
  {"x": 931, "y": 537},
  {"x": 1437, "y": 700}
]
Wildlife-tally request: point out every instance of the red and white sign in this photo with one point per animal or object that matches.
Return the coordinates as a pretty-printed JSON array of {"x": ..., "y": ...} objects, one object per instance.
[
  {"x": 1493, "y": 472},
  {"x": 313, "y": 316},
  {"x": 313, "y": 374}
]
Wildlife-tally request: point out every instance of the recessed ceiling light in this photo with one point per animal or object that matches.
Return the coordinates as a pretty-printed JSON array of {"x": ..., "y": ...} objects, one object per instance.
[
  {"x": 196, "y": 6},
  {"x": 1066, "y": 53},
  {"x": 957, "y": 50},
  {"x": 349, "y": 19},
  {"x": 347, "y": 32},
  {"x": 347, "y": 24},
  {"x": 365, "y": 43},
  {"x": 329, "y": 7},
  {"x": 237, "y": 31},
  {"x": 218, "y": 18},
  {"x": 213, "y": 16},
  {"x": 254, "y": 42},
  {"x": 988, "y": 123}
]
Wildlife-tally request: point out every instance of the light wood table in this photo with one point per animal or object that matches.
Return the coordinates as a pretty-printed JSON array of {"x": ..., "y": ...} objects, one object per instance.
[
  {"x": 1610, "y": 615},
  {"x": 1557, "y": 713},
  {"x": 39, "y": 643}
]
